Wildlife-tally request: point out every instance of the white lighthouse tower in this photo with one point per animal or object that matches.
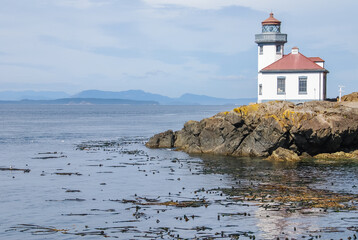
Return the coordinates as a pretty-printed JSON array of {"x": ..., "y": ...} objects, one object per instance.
[
  {"x": 292, "y": 77},
  {"x": 270, "y": 42}
]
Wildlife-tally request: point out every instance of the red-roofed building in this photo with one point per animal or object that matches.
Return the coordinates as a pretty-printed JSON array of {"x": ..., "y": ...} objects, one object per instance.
[{"x": 293, "y": 77}]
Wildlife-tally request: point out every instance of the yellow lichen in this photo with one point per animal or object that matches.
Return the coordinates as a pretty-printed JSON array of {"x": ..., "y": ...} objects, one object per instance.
[
  {"x": 246, "y": 109},
  {"x": 288, "y": 117}
]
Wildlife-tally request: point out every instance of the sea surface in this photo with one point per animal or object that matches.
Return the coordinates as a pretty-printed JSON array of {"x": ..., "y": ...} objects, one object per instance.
[{"x": 83, "y": 172}]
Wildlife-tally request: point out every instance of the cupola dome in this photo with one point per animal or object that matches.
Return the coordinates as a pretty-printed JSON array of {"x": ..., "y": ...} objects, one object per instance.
[
  {"x": 271, "y": 21},
  {"x": 271, "y": 25}
]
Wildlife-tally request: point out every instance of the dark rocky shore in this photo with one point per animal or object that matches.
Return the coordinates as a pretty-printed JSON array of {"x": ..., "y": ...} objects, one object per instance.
[{"x": 278, "y": 127}]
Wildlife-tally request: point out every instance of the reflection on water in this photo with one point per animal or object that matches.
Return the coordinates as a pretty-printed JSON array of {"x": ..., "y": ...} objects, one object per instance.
[
  {"x": 314, "y": 191},
  {"x": 307, "y": 172}
]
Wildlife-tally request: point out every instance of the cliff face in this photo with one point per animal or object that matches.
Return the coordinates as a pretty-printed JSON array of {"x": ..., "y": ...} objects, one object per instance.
[{"x": 259, "y": 129}]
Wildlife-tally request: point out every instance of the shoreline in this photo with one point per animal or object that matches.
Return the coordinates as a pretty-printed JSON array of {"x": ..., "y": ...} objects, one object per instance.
[{"x": 258, "y": 130}]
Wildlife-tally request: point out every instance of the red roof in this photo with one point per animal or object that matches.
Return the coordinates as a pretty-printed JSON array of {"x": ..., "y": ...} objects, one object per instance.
[
  {"x": 294, "y": 62},
  {"x": 316, "y": 59},
  {"x": 271, "y": 21}
]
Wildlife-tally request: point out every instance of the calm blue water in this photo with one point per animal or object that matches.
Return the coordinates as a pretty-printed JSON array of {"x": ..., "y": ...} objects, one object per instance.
[{"x": 105, "y": 179}]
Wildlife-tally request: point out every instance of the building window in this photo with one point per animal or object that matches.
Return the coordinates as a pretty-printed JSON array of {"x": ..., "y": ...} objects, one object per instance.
[
  {"x": 261, "y": 50},
  {"x": 302, "y": 85},
  {"x": 281, "y": 85},
  {"x": 271, "y": 28},
  {"x": 260, "y": 89},
  {"x": 278, "y": 49}
]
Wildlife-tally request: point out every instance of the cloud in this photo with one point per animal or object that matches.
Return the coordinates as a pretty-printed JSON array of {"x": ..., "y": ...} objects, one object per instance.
[
  {"x": 81, "y": 4},
  {"x": 167, "y": 47},
  {"x": 214, "y": 4},
  {"x": 260, "y": 5},
  {"x": 230, "y": 77}
]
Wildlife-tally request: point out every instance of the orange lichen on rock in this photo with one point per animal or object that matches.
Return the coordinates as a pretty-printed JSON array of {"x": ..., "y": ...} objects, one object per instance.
[
  {"x": 289, "y": 118},
  {"x": 247, "y": 109}
]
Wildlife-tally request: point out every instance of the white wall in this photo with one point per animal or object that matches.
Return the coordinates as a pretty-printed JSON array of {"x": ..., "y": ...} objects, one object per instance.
[
  {"x": 269, "y": 55},
  {"x": 320, "y": 64},
  {"x": 269, "y": 87}
]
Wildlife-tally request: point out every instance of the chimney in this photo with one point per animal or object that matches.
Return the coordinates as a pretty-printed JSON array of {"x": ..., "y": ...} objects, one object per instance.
[{"x": 294, "y": 50}]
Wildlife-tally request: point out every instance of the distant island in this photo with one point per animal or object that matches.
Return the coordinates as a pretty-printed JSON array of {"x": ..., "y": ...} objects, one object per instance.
[
  {"x": 82, "y": 101},
  {"x": 134, "y": 97}
]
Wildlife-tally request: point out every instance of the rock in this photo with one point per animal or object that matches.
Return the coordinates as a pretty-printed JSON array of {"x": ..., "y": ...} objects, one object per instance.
[
  {"x": 161, "y": 140},
  {"x": 338, "y": 155},
  {"x": 282, "y": 154},
  {"x": 353, "y": 97},
  {"x": 257, "y": 130},
  {"x": 263, "y": 139},
  {"x": 305, "y": 155}
]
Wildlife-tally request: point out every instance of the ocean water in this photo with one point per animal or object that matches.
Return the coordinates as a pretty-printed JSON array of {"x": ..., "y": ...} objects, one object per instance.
[{"x": 91, "y": 177}]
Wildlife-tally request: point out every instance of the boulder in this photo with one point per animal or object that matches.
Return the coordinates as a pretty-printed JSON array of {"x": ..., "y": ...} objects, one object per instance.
[
  {"x": 258, "y": 130},
  {"x": 282, "y": 154},
  {"x": 161, "y": 140}
]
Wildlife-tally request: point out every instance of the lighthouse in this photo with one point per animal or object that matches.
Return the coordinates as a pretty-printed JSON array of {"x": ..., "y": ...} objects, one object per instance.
[
  {"x": 293, "y": 77},
  {"x": 270, "y": 42}
]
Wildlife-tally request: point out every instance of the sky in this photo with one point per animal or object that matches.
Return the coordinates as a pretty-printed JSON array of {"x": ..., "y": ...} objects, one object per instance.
[{"x": 169, "y": 47}]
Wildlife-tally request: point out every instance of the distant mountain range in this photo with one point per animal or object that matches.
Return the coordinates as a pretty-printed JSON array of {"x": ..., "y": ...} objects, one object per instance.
[
  {"x": 82, "y": 101},
  {"x": 108, "y": 97},
  {"x": 33, "y": 95},
  {"x": 186, "y": 99}
]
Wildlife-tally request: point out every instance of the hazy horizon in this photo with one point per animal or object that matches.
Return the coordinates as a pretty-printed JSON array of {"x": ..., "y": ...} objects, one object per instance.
[
  {"x": 167, "y": 48},
  {"x": 136, "y": 95}
]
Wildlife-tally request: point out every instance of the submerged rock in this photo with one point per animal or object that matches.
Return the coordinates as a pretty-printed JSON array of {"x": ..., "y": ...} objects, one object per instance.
[{"x": 259, "y": 129}]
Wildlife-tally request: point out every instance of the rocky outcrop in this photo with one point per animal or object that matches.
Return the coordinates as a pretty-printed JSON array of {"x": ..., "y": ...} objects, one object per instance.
[
  {"x": 260, "y": 129},
  {"x": 353, "y": 97}
]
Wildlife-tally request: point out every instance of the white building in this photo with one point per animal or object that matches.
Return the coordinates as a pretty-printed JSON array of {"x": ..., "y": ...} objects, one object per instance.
[{"x": 293, "y": 77}]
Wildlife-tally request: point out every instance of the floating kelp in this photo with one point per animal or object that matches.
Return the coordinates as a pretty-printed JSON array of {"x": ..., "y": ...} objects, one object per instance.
[
  {"x": 292, "y": 197},
  {"x": 134, "y": 152},
  {"x": 37, "y": 229},
  {"x": 48, "y": 153},
  {"x": 97, "y": 144},
  {"x": 50, "y": 157},
  {"x": 67, "y": 174},
  {"x": 76, "y": 214},
  {"x": 89, "y": 233},
  {"x": 68, "y": 199},
  {"x": 180, "y": 204},
  {"x": 170, "y": 202},
  {"x": 72, "y": 191},
  {"x": 105, "y": 210},
  {"x": 15, "y": 169}
]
